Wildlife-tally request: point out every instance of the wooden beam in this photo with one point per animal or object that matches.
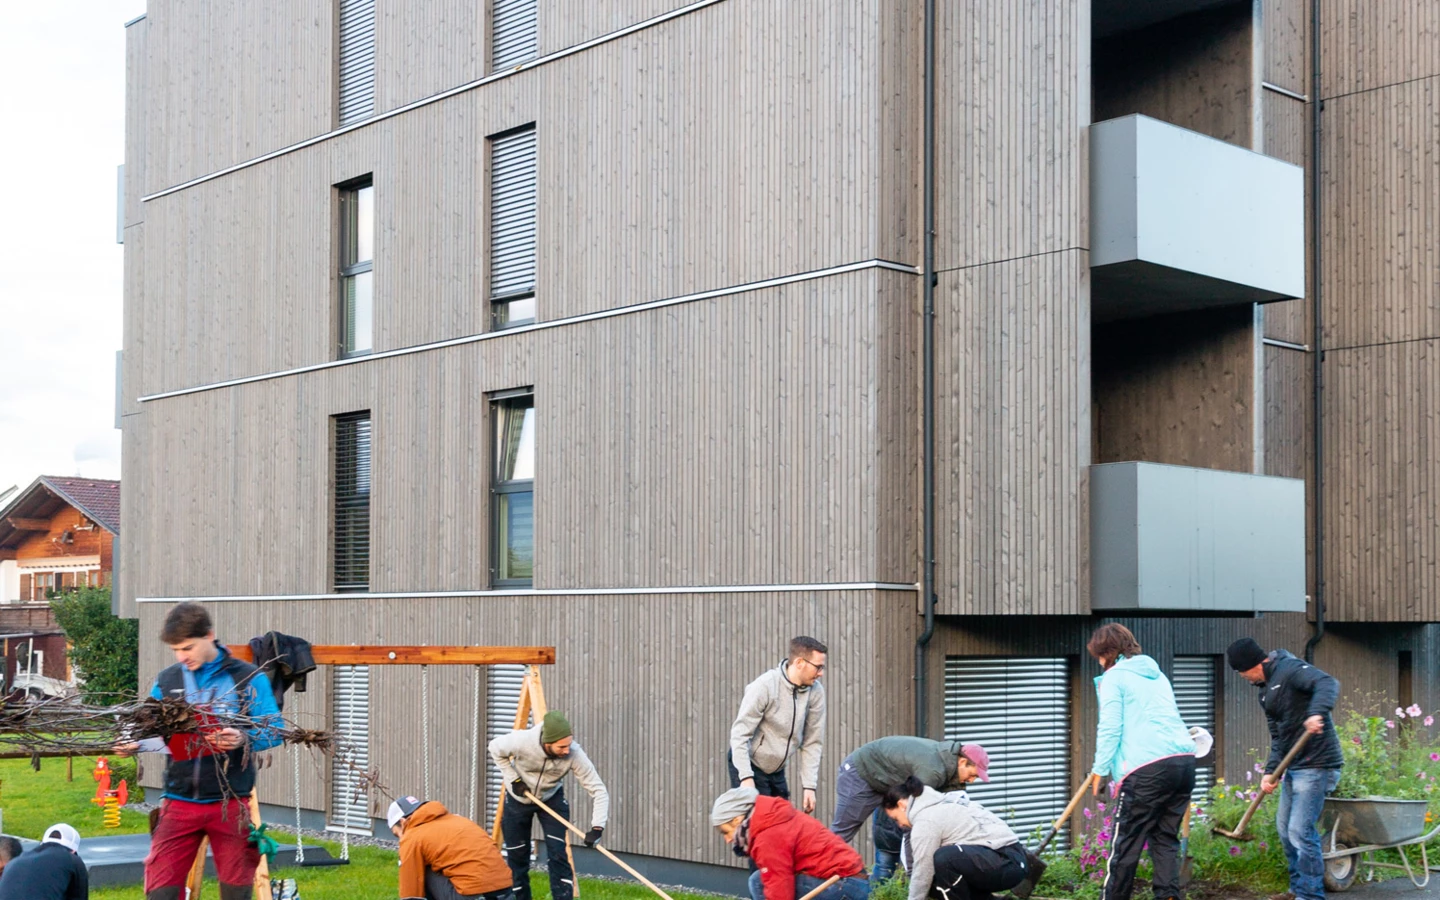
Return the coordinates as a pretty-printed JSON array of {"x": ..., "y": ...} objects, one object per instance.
[
  {"x": 342, "y": 655},
  {"x": 20, "y": 524},
  {"x": 8, "y": 553}
]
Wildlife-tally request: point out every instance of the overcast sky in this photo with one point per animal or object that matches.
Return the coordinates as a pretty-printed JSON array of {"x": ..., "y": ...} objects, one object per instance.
[{"x": 63, "y": 67}]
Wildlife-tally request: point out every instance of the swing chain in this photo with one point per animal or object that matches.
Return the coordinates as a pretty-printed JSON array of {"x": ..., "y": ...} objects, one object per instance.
[
  {"x": 475, "y": 746},
  {"x": 425, "y": 724},
  {"x": 299, "y": 840}
]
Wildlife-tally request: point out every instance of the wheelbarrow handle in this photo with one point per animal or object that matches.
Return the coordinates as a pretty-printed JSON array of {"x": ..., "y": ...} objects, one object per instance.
[{"x": 1279, "y": 771}]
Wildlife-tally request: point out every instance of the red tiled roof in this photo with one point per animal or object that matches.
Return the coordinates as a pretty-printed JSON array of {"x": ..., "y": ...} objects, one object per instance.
[{"x": 97, "y": 498}]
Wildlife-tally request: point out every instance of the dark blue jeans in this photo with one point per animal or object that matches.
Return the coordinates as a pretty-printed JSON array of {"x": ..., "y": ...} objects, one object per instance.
[
  {"x": 1302, "y": 796},
  {"x": 853, "y": 888},
  {"x": 887, "y": 837}
]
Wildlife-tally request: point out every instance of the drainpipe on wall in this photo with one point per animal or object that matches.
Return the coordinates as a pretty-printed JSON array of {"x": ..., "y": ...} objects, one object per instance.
[
  {"x": 927, "y": 501},
  {"x": 1318, "y": 348}
]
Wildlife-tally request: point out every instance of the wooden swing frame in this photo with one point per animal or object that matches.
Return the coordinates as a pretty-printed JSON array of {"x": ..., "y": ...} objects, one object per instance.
[{"x": 532, "y": 700}]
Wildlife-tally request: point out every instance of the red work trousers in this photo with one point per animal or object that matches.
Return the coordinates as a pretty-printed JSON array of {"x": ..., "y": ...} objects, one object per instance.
[{"x": 177, "y": 836}]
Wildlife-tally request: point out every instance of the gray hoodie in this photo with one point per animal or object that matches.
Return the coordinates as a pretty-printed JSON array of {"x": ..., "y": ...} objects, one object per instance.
[
  {"x": 775, "y": 718},
  {"x": 519, "y": 755},
  {"x": 939, "y": 820}
]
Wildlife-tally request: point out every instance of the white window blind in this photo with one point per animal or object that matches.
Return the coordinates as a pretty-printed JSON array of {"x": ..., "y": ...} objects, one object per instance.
[
  {"x": 352, "y": 502},
  {"x": 512, "y": 226},
  {"x": 1018, "y": 709},
  {"x": 357, "y": 60},
  {"x": 1194, "y": 682},
  {"x": 514, "y": 36},
  {"x": 502, "y": 696},
  {"x": 350, "y": 720}
]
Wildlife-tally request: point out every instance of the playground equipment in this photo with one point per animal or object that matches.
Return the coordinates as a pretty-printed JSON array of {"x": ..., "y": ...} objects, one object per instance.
[{"x": 108, "y": 798}]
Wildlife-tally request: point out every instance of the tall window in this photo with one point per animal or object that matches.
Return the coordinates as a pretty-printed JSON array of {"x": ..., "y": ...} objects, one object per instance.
[
  {"x": 513, "y": 33},
  {"x": 356, "y": 52},
  {"x": 512, "y": 227},
  {"x": 357, "y": 252},
  {"x": 514, "y": 524},
  {"x": 350, "y": 721},
  {"x": 352, "y": 502}
]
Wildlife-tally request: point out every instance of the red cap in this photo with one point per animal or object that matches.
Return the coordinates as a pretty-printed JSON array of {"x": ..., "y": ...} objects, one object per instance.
[{"x": 977, "y": 755}]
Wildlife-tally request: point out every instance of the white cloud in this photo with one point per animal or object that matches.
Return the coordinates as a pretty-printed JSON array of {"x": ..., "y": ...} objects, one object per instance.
[{"x": 60, "y": 268}]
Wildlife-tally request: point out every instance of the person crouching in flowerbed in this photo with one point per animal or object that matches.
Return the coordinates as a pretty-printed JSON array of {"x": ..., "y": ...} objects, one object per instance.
[{"x": 794, "y": 853}]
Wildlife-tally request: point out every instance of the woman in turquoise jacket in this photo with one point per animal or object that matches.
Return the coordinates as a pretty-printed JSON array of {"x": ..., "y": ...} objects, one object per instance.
[{"x": 1142, "y": 744}]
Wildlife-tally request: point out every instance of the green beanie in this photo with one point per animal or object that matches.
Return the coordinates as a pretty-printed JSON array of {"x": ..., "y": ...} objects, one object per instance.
[{"x": 554, "y": 728}]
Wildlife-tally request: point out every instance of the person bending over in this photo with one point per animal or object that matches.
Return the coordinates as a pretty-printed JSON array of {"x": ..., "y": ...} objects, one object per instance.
[
  {"x": 959, "y": 850},
  {"x": 793, "y": 853}
]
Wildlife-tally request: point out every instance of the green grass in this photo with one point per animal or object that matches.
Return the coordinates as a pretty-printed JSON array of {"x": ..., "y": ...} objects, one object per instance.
[{"x": 33, "y": 801}]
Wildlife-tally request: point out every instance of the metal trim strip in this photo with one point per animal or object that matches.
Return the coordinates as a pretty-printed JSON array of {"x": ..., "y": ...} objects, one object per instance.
[{"x": 544, "y": 592}]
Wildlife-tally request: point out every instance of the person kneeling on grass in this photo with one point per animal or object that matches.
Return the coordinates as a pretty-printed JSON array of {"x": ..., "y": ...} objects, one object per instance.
[
  {"x": 793, "y": 852},
  {"x": 959, "y": 850},
  {"x": 52, "y": 871},
  {"x": 444, "y": 856}
]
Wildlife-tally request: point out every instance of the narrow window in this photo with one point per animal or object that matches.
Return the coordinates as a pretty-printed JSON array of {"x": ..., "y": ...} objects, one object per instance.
[
  {"x": 352, "y": 502},
  {"x": 514, "y": 521},
  {"x": 512, "y": 227},
  {"x": 502, "y": 698},
  {"x": 350, "y": 721},
  {"x": 1197, "y": 684},
  {"x": 357, "y": 252},
  {"x": 356, "y": 51},
  {"x": 513, "y": 33}
]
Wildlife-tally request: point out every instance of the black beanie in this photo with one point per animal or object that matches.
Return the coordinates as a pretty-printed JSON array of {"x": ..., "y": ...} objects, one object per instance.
[{"x": 1245, "y": 654}]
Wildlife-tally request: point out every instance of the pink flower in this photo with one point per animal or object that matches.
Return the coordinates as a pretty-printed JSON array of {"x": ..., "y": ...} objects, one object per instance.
[
  {"x": 1100, "y": 806},
  {"x": 1105, "y": 836},
  {"x": 1399, "y": 713},
  {"x": 1251, "y": 796},
  {"x": 1389, "y": 724},
  {"x": 1420, "y": 775},
  {"x": 1264, "y": 846},
  {"x": 1429, "y": 720},
  {"x": 1356, "y": 739},
  {"x": 1259, "y": 769},
  {"x": 1413, "y": 710},
  {"x": 1435, "y": 757},
  {"x": 1248, "y": 776},
  {"x": 1234, "y": 850},
  {"x": 1087, "y": 813}
]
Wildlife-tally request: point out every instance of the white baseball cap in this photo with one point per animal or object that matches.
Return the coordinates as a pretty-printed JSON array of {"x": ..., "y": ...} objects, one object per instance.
[
  {"x": 399, "y": 809},
  {"x": 1204, "y": 741},
  {"x": 63, "y": 835}
]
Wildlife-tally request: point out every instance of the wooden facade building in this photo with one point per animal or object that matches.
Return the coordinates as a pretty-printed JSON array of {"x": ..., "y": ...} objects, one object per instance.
[{"x": 608, "y": 335}]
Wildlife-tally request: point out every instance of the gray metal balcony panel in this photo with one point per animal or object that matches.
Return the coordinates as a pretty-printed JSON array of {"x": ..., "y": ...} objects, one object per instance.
[
  {"x": 1180, "y": 539},
  {"x": 1180, "y": 221}
]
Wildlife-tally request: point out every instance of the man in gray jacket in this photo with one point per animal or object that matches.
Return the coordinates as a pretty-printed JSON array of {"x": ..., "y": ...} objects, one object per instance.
[
  {"x": 870, "y": 771},
  {"x": 783, "y": 709},
  {"x": 535, "y": 760},
  {"x": 958, "y": 849}
]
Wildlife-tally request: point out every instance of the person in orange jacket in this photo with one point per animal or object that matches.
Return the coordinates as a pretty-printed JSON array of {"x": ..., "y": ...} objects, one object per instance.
[{"x": 444, "y": 856}]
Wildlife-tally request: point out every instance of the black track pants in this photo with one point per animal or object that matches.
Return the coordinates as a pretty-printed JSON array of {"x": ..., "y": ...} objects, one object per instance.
[{"x": 1152, "y": 803}]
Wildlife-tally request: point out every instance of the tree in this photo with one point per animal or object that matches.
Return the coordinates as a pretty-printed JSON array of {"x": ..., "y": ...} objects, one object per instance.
[{"x": 104, "y": 648}]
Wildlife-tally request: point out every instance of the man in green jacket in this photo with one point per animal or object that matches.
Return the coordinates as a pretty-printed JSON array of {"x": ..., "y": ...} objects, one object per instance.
[{"x": 869, "y": 772}]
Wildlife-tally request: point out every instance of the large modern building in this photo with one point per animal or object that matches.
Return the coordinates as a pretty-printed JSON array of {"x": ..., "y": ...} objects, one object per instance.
[{"x": 659, "y": 332}]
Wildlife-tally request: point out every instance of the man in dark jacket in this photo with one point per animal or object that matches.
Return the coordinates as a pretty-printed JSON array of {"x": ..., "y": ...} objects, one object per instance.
[
  {"x": 52, "y": 871},
  {"x": 1297, "y": 698}
]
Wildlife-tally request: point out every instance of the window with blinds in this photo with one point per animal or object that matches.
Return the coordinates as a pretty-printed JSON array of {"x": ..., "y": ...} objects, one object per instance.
[
  {"x": 1196, "y": 683},
  {"x": 514, "y": 35},
  {"x": 512, "y": 227},
  {"x": 514, "y": 489},
  {"x": 357, "y": 254},
  {"x": 502, "y": 696},
  {"x": 356, "y": 52},
  {"x": 1018, "y": 709},
  {"x": 352, "y": 502},
  {"x": 350, "y": 721}
]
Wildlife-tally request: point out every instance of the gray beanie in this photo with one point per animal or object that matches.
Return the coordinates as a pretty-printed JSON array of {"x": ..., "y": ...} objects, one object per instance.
[{"x": 734, "y": 802}]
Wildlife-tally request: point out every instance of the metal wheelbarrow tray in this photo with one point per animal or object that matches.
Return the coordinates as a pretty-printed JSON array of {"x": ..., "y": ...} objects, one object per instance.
[{"x": 1358, "y": 828}]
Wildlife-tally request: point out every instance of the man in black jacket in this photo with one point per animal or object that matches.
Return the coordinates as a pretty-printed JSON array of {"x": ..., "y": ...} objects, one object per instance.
[
  {"x": 52, "y": 871},
  {"x": 1297, "y": 698}
]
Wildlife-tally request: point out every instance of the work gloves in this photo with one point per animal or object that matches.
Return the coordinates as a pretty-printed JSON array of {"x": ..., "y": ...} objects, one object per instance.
[
  {"x": 519, "y": 789},
  {"x": 593, "y": 837}
]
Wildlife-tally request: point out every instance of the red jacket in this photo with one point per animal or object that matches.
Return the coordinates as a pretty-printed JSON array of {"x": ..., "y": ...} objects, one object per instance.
[{"x": 785, "y": 842}]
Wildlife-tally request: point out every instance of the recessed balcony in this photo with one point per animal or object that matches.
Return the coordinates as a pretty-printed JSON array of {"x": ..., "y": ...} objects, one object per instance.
[
  {"x": 1178, "y": 539},
  {"x": 1109, "y": 17},
  {"x": 1180, "y": 221}
]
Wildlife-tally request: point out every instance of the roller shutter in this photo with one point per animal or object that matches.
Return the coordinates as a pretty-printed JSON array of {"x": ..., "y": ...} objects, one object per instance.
[
  {"x": 502, "y": 695},
  {"x": 357, "y": 60},
  {"x": 514, "y": 34},
  {"x": 350, "y": 720},
  {"x": 1194, "y": 680}
]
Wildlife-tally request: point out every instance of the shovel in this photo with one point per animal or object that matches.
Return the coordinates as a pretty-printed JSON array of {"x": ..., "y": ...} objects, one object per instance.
[
  {"x": 612, "y": 857},
  {"x": 1239, "y": 833},
  {"x": 1187, "y": 862},
  {"x": 1034, "y": 865}
]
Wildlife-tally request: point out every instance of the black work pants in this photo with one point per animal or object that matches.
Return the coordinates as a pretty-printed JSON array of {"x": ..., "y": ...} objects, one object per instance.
[
  {"x": 439, "y": 887},
  {"x": 516, "y": 824},
  {"x": 971, "y": 872},
  {"x": 768, "y": 784},
  {"x": 1152, "y": 803}
]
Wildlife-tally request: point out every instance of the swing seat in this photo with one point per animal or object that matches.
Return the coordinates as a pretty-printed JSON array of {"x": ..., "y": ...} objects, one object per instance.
[{"x": 331, "y": 861}]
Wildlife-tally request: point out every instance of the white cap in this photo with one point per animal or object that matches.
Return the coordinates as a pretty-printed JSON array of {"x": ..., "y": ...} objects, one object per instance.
[
  {"x": 63, "y": 835},
  {"x": 1204, "y": 742},
  {"x": 399, "y": 809}
]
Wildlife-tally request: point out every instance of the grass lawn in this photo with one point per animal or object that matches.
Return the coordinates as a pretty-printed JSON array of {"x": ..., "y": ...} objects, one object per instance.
[{"x": 33, "y": 801}]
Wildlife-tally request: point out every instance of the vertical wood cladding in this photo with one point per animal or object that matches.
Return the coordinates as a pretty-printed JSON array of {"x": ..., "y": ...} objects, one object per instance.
[
  {"x": 1285, "y": 31},
  {"x": 1287, "y": 413},
  {"x": 424, "y": 48},
  {"x": 741, "y": 440},
  {"x": 1194, "y": 71},
  {"x": 1013, "y": 102},
  {"x": 651, "y": 684},
  {"x": 1382, "y": 539},
  {"x": 1367, "y": 45},
  {"x": 1177, "y": 389},
  {"x": 1013, "y": 436}
]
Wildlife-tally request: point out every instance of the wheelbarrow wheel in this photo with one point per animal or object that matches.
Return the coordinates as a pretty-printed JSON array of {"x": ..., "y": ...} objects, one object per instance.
[{"x": 1340, "y": 872}]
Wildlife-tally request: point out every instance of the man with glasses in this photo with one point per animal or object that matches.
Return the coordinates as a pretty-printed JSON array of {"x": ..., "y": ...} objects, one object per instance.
[{"x": 783, "y": 710}]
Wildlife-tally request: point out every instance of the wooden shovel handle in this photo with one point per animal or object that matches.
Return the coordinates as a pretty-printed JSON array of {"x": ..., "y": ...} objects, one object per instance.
[
  {"x": 603, "y": 850},
  {"x": 1069, "y": 809},
  {"x": 1279, "y": 770},
  {"x": 821, "y": 889}
]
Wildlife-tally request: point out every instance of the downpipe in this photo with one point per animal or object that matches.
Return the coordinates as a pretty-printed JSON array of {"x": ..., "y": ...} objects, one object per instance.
[
  {"x": 928, "y": 278},
  {"x": 1317, "y": 345}
]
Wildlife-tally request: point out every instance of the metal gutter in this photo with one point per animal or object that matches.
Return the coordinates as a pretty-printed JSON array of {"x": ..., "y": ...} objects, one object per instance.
[{"x": 927, "y": 443}]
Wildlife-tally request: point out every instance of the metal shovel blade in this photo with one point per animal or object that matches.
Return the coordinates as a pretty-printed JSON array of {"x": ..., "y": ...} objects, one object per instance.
[{"x": 1034, "y": 868}]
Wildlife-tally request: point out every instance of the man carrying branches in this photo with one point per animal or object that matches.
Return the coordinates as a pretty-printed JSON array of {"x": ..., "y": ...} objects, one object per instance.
[{"x": 210, "y": 775}]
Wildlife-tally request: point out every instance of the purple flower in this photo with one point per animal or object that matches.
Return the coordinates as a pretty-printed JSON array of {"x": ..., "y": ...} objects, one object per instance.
[
  {"x": 1435, "y": 757},
  {"x": 1259, "y": 769},
  {"x": 1264, "y": 846},
  {"x": 1413, "y": 710},
  {"x": 1356, "y": 739},
  {"x": 1234, "y": 850},
  {"x": 1087, "y": 813},
  {"x": 1251, "y": 796},
  {"x": 1248, "y": 776},
  {"x": 1100, "y": 806},
  {"x": 1389, "y": 723},
  {"x": 1105, "y": 836}
]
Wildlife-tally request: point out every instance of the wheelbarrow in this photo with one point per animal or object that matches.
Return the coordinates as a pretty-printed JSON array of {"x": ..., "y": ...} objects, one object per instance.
[{"x": 1359, "y": 828}]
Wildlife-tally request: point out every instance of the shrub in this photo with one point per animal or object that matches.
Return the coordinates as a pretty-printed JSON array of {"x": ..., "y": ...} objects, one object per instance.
[{"x": 104, "y": 648}]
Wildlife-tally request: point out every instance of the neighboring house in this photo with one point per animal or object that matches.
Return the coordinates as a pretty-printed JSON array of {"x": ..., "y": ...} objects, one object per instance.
[
  {"x": 55, "y": 535},
  {"x": 534, "y": 323}
]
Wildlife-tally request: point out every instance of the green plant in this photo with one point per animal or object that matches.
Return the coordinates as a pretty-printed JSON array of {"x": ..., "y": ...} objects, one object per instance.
[
  {"x": 893, "y": 888},
  {"x": 104, "y": 648},
  {"x": 1397, "y": 757}
]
